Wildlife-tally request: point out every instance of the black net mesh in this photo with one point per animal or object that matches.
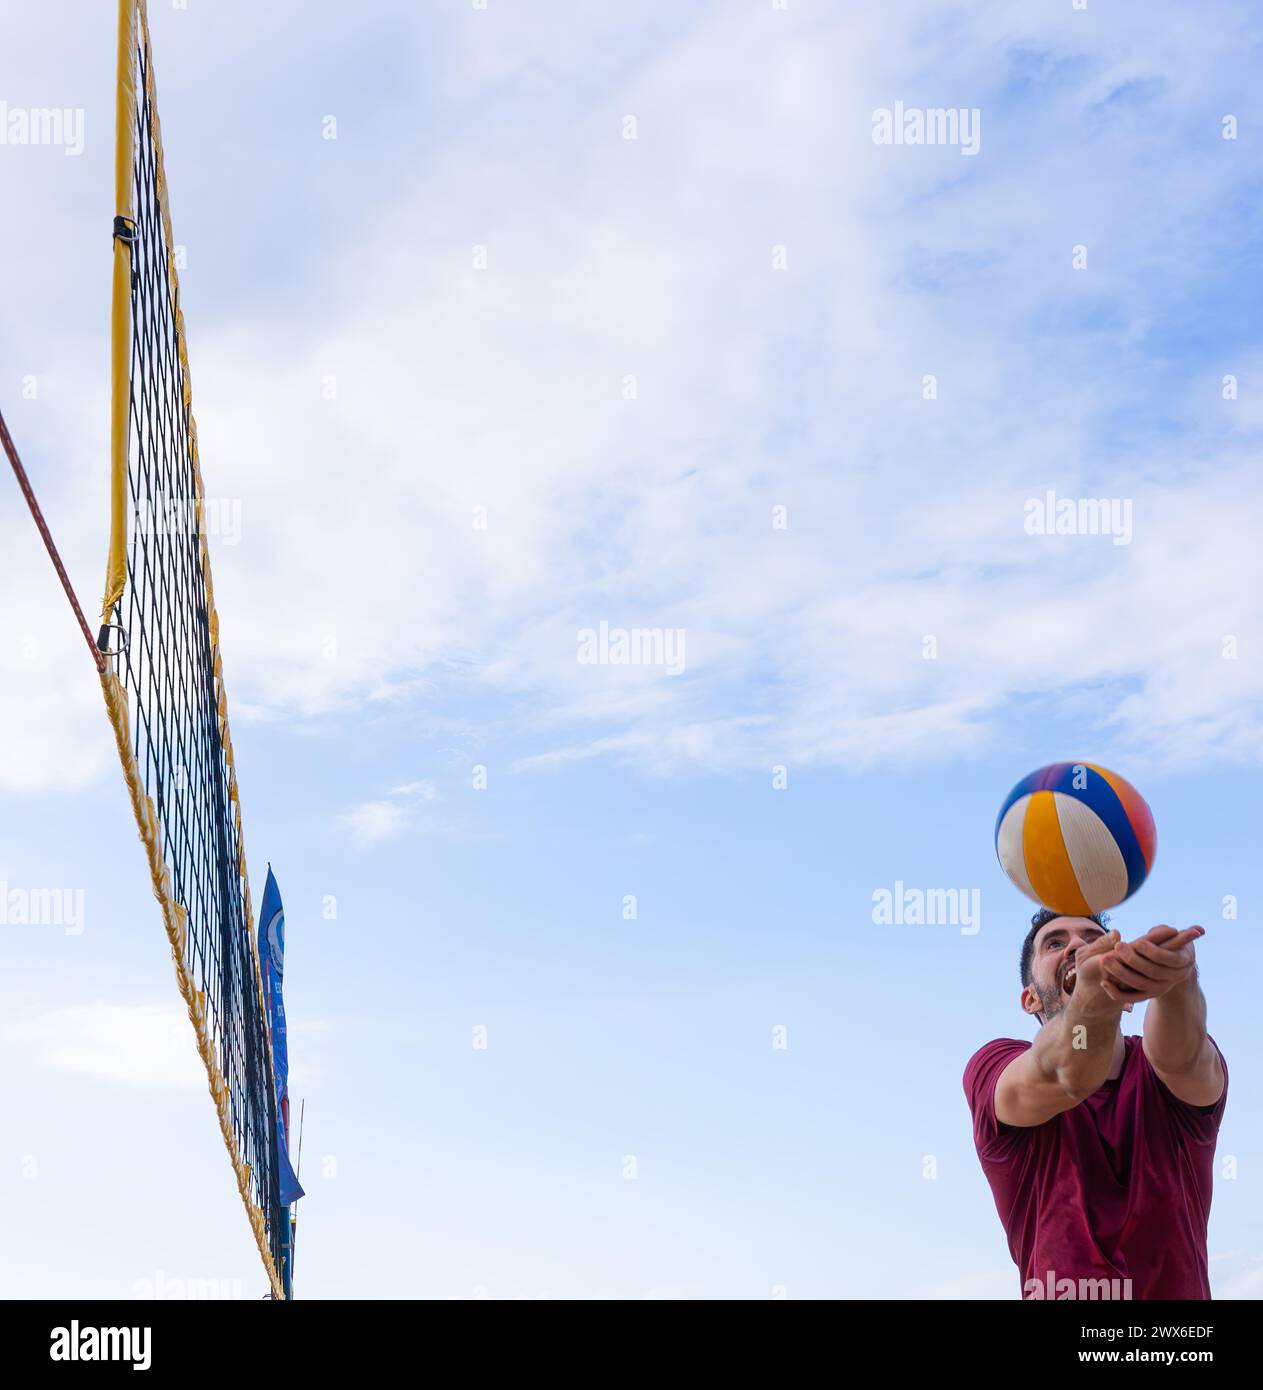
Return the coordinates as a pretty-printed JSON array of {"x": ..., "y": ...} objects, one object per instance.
[{"x": 165, "y": 657}]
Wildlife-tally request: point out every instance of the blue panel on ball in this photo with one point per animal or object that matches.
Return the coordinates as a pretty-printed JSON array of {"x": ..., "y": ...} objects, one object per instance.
[{"x": 1045, "y": 779}]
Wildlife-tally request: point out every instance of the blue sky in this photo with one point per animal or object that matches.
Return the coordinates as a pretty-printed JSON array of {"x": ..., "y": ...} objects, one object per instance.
[{"x": 362, "y": 388}]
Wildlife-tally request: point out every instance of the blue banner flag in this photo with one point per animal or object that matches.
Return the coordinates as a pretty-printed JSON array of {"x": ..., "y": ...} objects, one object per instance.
[{"x": 272, "y": 963}]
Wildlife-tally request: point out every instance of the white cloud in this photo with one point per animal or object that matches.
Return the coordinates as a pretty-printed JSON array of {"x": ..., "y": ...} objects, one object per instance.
[
  {"x": 362, "y": 582},
  {"x": 905, "y": 518},
  {"x": 373, "y": 822},
  {"x": 419, "y": 791},
  {"x": 141, "y": 1045}
]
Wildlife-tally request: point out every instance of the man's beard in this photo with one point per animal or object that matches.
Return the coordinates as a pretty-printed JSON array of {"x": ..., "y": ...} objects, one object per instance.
[
  {"x": 1052, "y": 1001},
  {"x": 1051, "y": 997}
]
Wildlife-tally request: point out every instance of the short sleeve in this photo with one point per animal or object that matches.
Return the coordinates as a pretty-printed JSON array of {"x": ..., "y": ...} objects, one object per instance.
[
  {"x": 1199, "y": 1122},
  {"x": 982, "y": 1071}
]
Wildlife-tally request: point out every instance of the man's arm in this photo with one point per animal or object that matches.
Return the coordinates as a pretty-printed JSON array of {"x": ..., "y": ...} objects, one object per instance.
[
  {"x": 1161, "y": 966},
  {"x": 1071, "y": 1057}
]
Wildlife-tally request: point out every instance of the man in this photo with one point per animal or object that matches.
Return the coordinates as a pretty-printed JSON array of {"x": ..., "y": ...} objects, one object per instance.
[{"x": 1099, "y": 1147}]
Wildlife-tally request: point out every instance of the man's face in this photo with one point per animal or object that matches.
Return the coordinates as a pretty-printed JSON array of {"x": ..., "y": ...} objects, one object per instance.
[{"x": 1052, "y": 965}]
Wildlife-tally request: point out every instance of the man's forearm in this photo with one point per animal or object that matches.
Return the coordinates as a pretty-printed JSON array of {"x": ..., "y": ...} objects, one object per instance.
[
  {"x": 1175, "y": 1027},
  {"x": 1076, "y": 1048}
]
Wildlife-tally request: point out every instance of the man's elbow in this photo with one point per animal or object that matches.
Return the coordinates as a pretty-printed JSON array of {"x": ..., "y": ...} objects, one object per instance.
[{"x": 1078, "y": 1086}]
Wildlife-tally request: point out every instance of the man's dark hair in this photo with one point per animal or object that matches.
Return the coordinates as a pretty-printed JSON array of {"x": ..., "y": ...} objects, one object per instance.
[{"x": 1042, "y": 919}]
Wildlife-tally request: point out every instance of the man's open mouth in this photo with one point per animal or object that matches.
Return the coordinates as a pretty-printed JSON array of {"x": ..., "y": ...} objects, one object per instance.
[{"x": 1068, "y": 980}]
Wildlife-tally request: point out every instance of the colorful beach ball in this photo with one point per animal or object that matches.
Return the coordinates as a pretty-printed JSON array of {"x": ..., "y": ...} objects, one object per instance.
[{"x": 1076, "y": 837}]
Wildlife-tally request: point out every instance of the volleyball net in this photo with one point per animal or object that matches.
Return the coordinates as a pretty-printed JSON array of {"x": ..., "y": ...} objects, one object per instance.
[{"x": 162, "y": 673}]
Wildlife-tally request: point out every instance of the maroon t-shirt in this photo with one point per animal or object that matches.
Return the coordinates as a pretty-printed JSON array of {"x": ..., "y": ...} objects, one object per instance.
[{"x": 1116, "y": 1188}]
